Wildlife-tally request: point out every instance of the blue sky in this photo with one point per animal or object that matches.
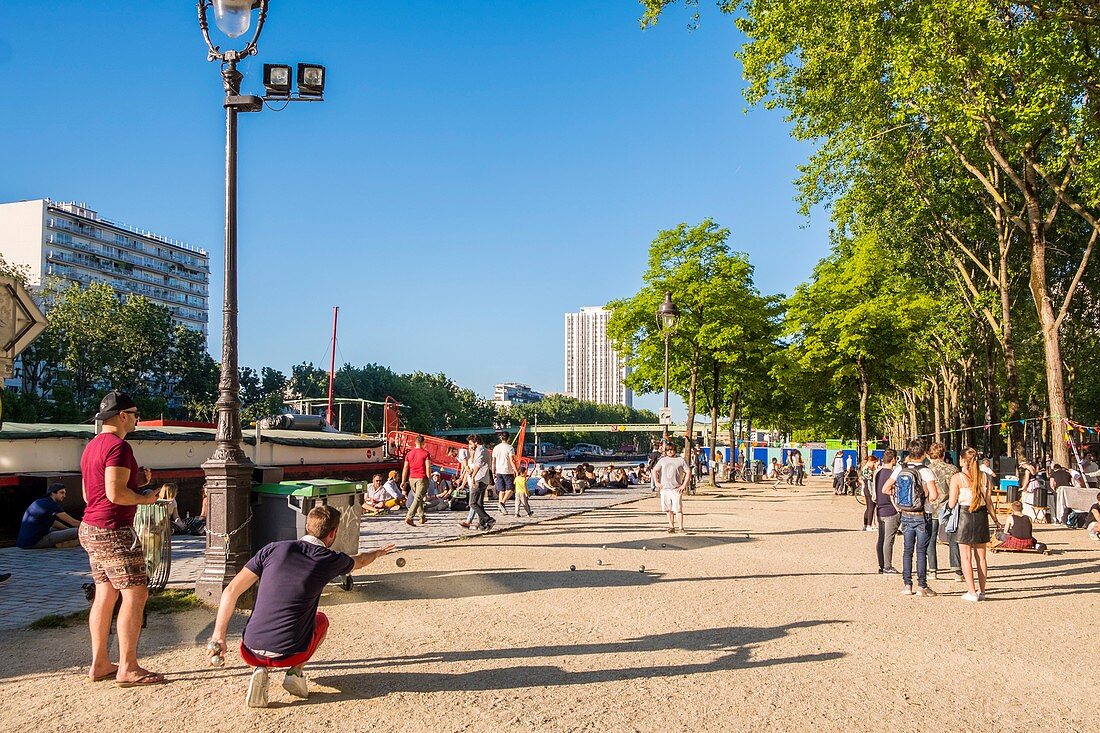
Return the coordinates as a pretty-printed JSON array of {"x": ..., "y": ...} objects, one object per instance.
[{"x": 476, "y": 170}]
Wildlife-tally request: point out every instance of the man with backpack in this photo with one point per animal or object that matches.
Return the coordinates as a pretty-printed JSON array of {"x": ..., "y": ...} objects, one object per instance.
[{"x": 911, "y": 487}]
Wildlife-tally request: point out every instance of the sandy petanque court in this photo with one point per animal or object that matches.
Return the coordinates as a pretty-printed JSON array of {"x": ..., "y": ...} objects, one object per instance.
[{"x": 768, "y": 615}]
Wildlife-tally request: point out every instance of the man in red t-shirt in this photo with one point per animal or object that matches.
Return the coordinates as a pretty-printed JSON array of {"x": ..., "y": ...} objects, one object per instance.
[
  {"x": 415, "y": 472},
  {"x": 111, "y": 479}
]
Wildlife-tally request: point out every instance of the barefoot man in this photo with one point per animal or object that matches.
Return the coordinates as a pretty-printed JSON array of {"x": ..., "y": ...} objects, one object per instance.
[
  {"x": 671, "y": 476},
  {"x": 111, "y": 479},
  {"x": 286, "y": 628}
]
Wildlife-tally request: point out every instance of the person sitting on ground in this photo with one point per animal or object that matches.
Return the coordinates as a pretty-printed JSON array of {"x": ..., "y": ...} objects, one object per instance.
[
  {"x": 544, "y": 485},
  {"x": 285, "y": 628},
  {"x": 580, "y": 480},
  {"x": 381, "y": 497},
  {"x": 440, "y": 492},
  {"x": 1094, "y": 520},
  {"x": 167, "y": 493},
  {"x": 1017, "y": 531},
  {"x": 393, "y": 487},
  {"x": 45, "y": 524},
  {"x": 590, "y": 474},
  {"x": 616, "y": 478}
]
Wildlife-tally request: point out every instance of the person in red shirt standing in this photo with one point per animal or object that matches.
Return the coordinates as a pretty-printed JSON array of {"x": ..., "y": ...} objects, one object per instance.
[
  {"x": 415, "y": 473},
  {"x": 111, "y": 478}
]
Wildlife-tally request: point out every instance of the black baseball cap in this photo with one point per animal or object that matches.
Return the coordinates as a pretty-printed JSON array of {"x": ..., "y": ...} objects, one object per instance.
[{"x": 113, "y": 403}]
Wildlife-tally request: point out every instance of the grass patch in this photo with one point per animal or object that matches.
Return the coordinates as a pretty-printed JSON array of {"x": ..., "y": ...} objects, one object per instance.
[
  {"x": 163, "y": 601},
  {"x": 172, "y": 601},
  {"x": 57, "y": 621}
]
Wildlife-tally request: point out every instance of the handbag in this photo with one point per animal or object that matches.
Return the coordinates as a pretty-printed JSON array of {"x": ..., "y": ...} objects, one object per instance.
[{"x": 949, "y": 519}]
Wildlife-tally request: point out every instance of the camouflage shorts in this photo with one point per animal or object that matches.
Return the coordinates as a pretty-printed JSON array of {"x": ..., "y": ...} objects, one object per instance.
[{"x": 115, "y": 556}]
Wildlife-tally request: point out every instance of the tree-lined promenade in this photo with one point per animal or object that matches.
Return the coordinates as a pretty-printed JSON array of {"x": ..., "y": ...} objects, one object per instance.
[{"x": 955, "y": 148}]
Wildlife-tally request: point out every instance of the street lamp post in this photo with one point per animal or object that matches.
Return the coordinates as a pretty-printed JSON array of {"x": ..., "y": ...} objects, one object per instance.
[
  {"x": 228, "y": 471},
  {"x": 667, "y": 314}
]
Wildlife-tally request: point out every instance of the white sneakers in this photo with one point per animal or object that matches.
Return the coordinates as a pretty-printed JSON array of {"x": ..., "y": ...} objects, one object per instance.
[
  {"x": 293, "y": 683},
  {"x": 296, "y": 684},
  {"x": 970, "y": 597},
  {"x": 257, "y": 688}
]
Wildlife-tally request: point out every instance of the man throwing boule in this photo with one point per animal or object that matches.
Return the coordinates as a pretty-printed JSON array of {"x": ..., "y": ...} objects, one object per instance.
[{"x": 285, "y": 628}]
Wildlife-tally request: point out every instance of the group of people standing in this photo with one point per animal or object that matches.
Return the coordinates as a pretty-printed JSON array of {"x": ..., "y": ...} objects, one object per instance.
[{"x": 923, "y": 494}]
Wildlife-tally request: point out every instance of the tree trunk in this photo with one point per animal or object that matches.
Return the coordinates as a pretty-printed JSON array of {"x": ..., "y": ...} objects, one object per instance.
[
  {"x": 864, "y": 395},
  {"x": 689, "y": 432},
  {"x": 911, "y": 402},
  {"x": 733, "y": 430},
  {"x": 1052, "y": 349},
  {"x": 937, "y": 427},
  {"x": 714, "y": 421},
  {"x": 993, "y": 407},
  {"x": 1008, "y": 349}
]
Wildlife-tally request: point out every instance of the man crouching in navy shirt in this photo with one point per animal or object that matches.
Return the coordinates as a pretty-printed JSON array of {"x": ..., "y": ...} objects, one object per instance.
[{"x": 285, "y": 628}]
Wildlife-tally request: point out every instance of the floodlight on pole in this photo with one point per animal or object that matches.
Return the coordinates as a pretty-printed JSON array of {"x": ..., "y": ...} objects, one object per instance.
[
  {"x": 278, "y": 79},
  {"x": 311, "y": 80}
]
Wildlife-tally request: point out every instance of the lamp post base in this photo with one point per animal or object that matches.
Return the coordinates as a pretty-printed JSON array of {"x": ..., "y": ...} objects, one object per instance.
[{"x": 228, "y": 496}]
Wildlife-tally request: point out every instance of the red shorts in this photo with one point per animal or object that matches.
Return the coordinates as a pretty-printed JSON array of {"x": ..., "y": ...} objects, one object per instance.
[{"x": 320, "y": 628}]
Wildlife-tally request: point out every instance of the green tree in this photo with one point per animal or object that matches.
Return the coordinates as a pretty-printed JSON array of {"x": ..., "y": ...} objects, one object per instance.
[
  {"x": 719, "y": 305},
  {"x": 858, "y": 327},
  {"x": 1009, "y": 89}
]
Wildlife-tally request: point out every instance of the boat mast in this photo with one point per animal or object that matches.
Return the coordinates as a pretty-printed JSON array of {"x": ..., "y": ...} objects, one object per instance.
[{"x": 332, "y": 365}]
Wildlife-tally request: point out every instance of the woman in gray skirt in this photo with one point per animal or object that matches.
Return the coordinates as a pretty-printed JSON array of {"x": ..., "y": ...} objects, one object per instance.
[{"x": 970, "y": 492}]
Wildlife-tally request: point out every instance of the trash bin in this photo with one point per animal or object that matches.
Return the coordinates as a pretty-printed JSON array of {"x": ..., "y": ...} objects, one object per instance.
[
  {"x": 279, "y": 512},
  {"x": 153, "y": 527}
]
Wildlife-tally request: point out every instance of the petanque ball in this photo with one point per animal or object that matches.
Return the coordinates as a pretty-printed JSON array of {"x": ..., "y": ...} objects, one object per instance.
[
  {"x": 641, "y": 569},
  {"x": 572, "y": 567},
  {"x": 217, "y": 661},
  {"x": 400, "y": 562},
  {"x": 599, "y": 562},
  {"x": 643, "y": 547}
]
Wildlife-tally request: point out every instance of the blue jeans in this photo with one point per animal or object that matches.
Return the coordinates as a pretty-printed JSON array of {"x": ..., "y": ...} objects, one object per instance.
[{"x": 915, "y": 529}]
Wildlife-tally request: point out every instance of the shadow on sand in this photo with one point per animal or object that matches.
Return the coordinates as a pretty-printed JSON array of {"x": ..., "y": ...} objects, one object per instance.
[{"x": 735, "y": 647}]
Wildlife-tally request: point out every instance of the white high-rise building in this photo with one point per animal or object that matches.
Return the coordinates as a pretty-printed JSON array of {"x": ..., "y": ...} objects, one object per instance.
[
  {"x": 72, "y": 242},
  {"x": 593, "y": 371}
]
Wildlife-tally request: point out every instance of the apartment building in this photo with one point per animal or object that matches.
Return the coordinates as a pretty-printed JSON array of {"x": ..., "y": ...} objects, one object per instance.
[{"x": 72, "y": 242}]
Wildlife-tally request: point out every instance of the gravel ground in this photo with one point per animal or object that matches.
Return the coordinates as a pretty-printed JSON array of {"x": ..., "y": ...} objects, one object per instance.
[{"x": 767, "y": 616}]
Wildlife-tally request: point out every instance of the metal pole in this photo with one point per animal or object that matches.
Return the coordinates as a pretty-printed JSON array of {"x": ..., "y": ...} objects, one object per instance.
[
  {"x": 228, "y": 471},
  {"x": 332, "y": 364},
  {"x": 665, "y": 405}
]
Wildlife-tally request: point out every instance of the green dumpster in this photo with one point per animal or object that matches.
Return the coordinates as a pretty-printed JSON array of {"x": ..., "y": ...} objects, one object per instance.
[{"x": 279, "y": 510}]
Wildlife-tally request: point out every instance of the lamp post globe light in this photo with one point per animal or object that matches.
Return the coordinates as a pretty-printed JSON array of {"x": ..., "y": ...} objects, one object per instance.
[
  {"x": 228, "y": 471},
  {"x": 667, "y": 314}
]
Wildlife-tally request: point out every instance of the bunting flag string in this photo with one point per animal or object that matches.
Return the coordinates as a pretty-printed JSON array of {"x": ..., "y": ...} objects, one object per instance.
[{"x": 1002, "y": 425}]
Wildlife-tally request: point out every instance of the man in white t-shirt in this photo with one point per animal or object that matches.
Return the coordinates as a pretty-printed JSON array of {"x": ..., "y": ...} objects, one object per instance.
[
  {"x": 671, "y": 476},
  {"x": 504, "y": 471}
]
